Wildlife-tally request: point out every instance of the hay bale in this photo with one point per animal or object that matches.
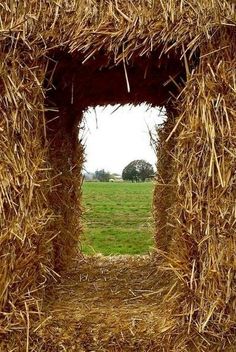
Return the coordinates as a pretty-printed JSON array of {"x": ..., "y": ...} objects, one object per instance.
[
  {"x": 203, "y": 248},
  {"x": 25, "y": 254},
  {"x": 165, "y": 184},
  {"x": 123, "y": 38},
  {"x": 66, "y": 157}
]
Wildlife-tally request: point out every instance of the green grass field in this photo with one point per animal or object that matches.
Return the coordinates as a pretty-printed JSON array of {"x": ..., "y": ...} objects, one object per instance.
[{"x": 117, "y": 218}]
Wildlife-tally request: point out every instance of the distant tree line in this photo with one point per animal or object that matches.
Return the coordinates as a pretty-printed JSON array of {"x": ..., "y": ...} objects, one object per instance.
[
  {"x": 136, "y": 171},
  {"x": 102, "y": 175}
]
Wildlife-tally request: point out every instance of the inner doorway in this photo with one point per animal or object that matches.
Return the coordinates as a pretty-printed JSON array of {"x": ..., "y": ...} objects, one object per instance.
[
  {"x": 117, "y": 217},
  {"x": 74, "y": 84}
]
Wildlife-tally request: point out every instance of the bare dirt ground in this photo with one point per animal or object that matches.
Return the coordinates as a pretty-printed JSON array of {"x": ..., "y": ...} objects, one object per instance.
[{"x": 107, "y": 304}]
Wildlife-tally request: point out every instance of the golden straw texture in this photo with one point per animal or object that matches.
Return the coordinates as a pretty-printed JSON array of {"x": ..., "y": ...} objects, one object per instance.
[{"x": 39, "y": 185}]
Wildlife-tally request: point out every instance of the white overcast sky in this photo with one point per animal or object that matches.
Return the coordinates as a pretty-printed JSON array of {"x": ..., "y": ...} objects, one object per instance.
[{"x": 112, "y": 138}]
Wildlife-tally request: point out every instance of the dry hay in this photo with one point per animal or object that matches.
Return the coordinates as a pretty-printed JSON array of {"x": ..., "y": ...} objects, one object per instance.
[
  {"x": 107, "y": 304},
  {"x": 40, "y": 164},
  {"x": 165, "y": 183}
]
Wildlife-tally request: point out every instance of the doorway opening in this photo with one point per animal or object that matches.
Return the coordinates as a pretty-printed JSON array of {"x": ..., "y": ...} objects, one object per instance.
[
  {"x": 118, "y": 178},
  {"x": 74, "y": 86}
]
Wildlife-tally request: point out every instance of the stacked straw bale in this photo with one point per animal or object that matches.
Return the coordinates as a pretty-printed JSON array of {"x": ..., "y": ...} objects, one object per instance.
[
  {"x": 165, "y": 182},
  {"x": 40, "y": 163},
  {"x": 204, "y": 243}
]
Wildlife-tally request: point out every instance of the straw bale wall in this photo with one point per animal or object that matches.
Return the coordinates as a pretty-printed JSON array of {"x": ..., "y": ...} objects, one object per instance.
[
  {"x": 165, "y": 182},
  {"x": 203, "y": 247},
  {"x": 41, "y": 160},
  {"x": 66, "y": 158}
]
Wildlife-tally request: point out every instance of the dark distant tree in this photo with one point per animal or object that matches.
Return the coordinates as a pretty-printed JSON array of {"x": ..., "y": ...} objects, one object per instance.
[
  {"x": 137, "y": 170},
  {"x": 102, "y": 175}
]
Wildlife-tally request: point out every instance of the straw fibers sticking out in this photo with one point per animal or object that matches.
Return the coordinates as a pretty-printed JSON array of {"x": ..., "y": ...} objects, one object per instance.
[{"x": 41, "y": 159}]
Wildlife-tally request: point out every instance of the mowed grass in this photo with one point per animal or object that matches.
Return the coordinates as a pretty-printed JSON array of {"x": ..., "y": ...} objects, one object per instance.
[{"x": 117, "y": 218}]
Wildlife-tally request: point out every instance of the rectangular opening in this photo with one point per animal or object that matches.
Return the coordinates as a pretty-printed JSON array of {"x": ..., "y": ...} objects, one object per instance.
[{"x": 119, "y": 173}]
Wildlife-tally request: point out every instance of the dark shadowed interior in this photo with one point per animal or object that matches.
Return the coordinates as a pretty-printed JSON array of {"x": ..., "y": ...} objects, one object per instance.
[{"x": 100, "y": 82}]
